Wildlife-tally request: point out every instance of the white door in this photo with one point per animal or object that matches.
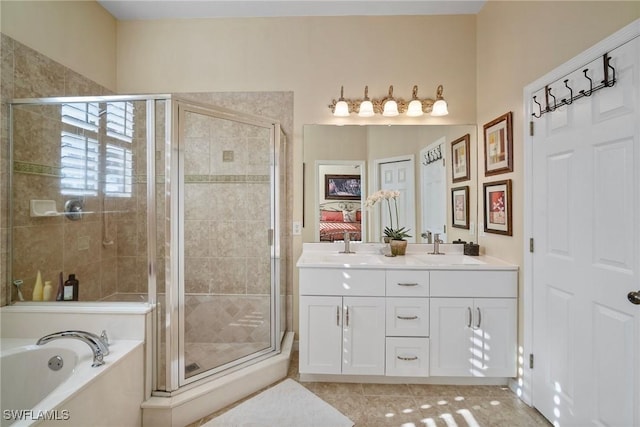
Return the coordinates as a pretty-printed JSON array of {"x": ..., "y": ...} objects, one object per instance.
[
  {"x": 364, "y": 335},
  {"x": 320, "y": 334},
  {"x": 586, "y": 226},
  {"x": 398, "y": 175},
  {"x": 433, "y": 188}
]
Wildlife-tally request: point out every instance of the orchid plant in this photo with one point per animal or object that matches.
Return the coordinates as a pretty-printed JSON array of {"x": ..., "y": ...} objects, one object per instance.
[{"x": 399, "y": 233}]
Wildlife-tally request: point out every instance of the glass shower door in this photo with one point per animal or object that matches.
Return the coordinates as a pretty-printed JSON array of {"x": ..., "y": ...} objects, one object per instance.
[{"x": 227, "y": 281}]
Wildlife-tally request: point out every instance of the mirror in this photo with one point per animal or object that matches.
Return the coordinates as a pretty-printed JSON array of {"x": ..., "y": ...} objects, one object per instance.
[{"x": 433, "y": 167}]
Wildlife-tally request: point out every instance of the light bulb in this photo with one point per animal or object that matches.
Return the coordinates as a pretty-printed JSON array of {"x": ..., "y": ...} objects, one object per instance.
[
  {"x": 440, "y": 108},
  {"x": 390, "y": 108},
  {"x": 366, "y": 109},
  {"x": 342, "y": 109}
]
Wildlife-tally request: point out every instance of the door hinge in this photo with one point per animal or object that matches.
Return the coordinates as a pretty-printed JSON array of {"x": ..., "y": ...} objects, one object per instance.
[
  {"x": 531, "y": 361},
  {"x": 531, "y": 128},
  {"x": 531, "y": 245}
]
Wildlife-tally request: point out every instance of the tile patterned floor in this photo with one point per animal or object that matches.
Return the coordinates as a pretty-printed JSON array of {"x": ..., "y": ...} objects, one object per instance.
[{"x": 413, "y": 405}]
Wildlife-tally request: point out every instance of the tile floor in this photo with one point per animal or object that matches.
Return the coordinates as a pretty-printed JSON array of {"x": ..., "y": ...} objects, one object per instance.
[{"x": 411, "y": 405}]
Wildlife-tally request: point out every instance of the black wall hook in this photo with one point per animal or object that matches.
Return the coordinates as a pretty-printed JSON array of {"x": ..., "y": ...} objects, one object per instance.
[
  {"x": 554, "y": 100},
  {"x": 537, "y": 116},
  {"x": 570, "y": 99},
  {"x": 590, "y": 84},
  {"x": 607, "y": 65}
]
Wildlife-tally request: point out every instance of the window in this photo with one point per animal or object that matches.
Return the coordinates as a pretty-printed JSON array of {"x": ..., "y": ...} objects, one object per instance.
[{"x": 81, "y": 151}]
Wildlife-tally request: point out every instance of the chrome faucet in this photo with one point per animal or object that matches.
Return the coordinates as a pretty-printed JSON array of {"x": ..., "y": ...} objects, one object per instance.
[
  {"x": 347, "y": 241},
  {"x": 99, "y": 344},
  {"x": 427, "y": 235},
  {"x": 436, "y": 245}
]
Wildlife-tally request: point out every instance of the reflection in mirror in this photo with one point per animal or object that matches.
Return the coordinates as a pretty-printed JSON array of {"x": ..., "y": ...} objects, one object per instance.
[{"x": 433, "y": 167}]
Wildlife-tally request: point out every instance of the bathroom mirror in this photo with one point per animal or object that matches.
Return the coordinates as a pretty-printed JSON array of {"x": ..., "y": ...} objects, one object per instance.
[{"x": 432, "y": 166}]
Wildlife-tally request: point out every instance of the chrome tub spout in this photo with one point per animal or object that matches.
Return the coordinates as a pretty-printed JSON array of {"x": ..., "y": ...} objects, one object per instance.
[{"x": 99, "y": 346}]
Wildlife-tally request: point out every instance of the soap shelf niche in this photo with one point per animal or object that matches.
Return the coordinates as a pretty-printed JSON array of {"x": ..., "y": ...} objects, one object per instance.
[{"x": 40, "y": 208}]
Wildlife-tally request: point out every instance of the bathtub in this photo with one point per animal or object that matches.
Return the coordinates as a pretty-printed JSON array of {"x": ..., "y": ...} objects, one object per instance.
[{"x": 75, "y": 395}]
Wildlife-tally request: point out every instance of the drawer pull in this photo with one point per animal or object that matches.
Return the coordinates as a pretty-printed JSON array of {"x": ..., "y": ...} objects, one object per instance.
[
  {"x": 408, "y": 284},
  {"x": 407, "y": 317},
  {"x": 479, "y": 318},
  {"x": 408, "y": 359},
  {"x": 470, "y": 315}
]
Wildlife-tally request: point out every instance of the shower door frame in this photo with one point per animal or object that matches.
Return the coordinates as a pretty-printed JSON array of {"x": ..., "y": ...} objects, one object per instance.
[{"x": 175, "y": 295}]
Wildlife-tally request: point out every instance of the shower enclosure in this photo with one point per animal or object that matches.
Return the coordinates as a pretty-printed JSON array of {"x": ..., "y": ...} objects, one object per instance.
[{"x": 155, "y": 199}]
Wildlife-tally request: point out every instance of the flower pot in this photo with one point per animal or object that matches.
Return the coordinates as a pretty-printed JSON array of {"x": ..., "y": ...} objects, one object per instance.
[{"x": 398, "y": 247}]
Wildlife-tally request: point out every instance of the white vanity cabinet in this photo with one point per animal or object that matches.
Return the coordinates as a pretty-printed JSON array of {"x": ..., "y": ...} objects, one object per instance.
[
  {"x": 473, "y": 323},
  {"x": 342, "y": 321}
]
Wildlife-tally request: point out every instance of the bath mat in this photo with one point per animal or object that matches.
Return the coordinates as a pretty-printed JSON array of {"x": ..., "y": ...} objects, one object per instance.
[{"x": 287, "y": 404}]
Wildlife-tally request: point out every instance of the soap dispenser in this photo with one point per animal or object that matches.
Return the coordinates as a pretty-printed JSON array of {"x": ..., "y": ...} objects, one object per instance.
[{"x": 37, "y": 288}]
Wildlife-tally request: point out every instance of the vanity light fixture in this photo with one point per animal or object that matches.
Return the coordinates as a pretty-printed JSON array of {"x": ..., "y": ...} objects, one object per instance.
[
  {"x": 366, "y": 106},
  {"x": 389, "y": 106},
  {"x": 440, "y": 106},
  {"x": 341, "y": 108}
]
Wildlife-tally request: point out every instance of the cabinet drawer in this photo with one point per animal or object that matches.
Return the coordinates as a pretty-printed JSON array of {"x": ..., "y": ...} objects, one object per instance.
[
  {"x": 476, "y": 283},
  {"x": 407, "y": 317},
  {"x": 348, "y": 282},
  {"x": 407, "y": 357},
  {"x": 407, "y": 283}
]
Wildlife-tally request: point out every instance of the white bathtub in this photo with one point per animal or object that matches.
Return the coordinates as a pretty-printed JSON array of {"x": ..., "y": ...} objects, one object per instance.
[{"x": 76, "y": 395}]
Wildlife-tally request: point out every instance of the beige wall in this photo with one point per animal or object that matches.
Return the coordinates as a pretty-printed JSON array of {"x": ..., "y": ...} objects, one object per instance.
[
  {"x": 78, "y": 34},
  {"x": 548, "y": 34}
]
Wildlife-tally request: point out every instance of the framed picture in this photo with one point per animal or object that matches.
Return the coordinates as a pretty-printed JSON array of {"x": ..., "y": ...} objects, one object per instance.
[
  {"x": 460, "y": 160},
  {"x": 342, "y": 187},
  {"x": 497, "y": 207},
  {"x": 460, "y": 207},
  {"x": 498, "y": 145}
]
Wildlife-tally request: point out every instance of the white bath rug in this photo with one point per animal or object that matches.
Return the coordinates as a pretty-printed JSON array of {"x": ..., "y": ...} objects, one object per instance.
[{"x": 287, "y": 404}]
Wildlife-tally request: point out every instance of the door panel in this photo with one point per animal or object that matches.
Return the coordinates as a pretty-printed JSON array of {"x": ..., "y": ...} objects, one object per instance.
[
  {"x": 364, "y": 336},
  {"x": 585, "y": 221},
  {"x": 322, "y": 320},
  {"x": 399, "y": 176}
]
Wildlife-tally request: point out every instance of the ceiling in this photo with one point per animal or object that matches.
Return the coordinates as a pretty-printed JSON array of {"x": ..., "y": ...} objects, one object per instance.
[{"x": 183, "y": 9}]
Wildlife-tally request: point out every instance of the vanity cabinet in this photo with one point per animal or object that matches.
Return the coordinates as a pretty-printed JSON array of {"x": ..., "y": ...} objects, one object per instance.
[
  {"x": 407, "y": 323},
  {"x": 473, "y": 323},
  {"x": 342, "y": 331}
]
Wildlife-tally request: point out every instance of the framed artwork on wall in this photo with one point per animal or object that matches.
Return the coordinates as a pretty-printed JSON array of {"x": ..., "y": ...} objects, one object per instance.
[
  {"x": 498, "y": 145},
  {"x": 497, "y": 207},
  {"x": 460, "y": 159},
  {"x": 342, "y": 187},
  {"x": 460, "y": 207}
]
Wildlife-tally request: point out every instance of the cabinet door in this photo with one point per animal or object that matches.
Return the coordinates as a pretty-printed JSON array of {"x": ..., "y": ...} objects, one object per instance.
[
  {"x": 452, "y": 347},
  {"x": 320, "y": 334},
  {"x": 495, "y": 327},
  {"x": 364, "y": 336}
]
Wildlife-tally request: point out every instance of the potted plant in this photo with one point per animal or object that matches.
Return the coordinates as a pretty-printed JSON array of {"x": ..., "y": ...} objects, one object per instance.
[{"x": 395, "y": 235}]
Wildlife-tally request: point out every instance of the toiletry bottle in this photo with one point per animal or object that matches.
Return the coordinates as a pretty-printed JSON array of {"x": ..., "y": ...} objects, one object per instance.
[
  {"x": 71, "y": 288},
  {"x": 47, "y": 291},
  {"x": 60, "y": 293},
  {"x": 37, "y": 288}
]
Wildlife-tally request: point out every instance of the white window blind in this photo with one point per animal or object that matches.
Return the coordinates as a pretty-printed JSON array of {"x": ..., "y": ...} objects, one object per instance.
[
  {"x": 118, "y": 171},
  {"x": 80, "y": 150},
  {"x": 120, "y": 120},
  {"x": 80, "y": 164}
]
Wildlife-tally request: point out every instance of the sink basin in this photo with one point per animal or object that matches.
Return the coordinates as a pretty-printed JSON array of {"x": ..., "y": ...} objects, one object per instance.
[
  {"x": 342, "y": 259},
  {"x": 443, "y": 260}
]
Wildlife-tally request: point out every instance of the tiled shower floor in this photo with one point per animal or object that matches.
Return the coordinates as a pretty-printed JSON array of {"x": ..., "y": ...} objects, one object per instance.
[
  {"x": 211, "y": 355},
  {"x": 410, "y": 405}
]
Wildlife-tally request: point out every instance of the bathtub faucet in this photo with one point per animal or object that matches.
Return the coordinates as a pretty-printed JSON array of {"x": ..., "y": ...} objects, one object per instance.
[{"x": 99, "y": 345}]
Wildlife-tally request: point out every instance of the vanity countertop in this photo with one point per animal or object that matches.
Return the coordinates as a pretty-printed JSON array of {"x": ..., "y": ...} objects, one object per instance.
[{"x": 371, "y": 256}]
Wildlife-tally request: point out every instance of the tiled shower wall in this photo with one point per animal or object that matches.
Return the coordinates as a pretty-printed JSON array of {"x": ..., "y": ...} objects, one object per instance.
[{"x": 26, "y": 73}]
